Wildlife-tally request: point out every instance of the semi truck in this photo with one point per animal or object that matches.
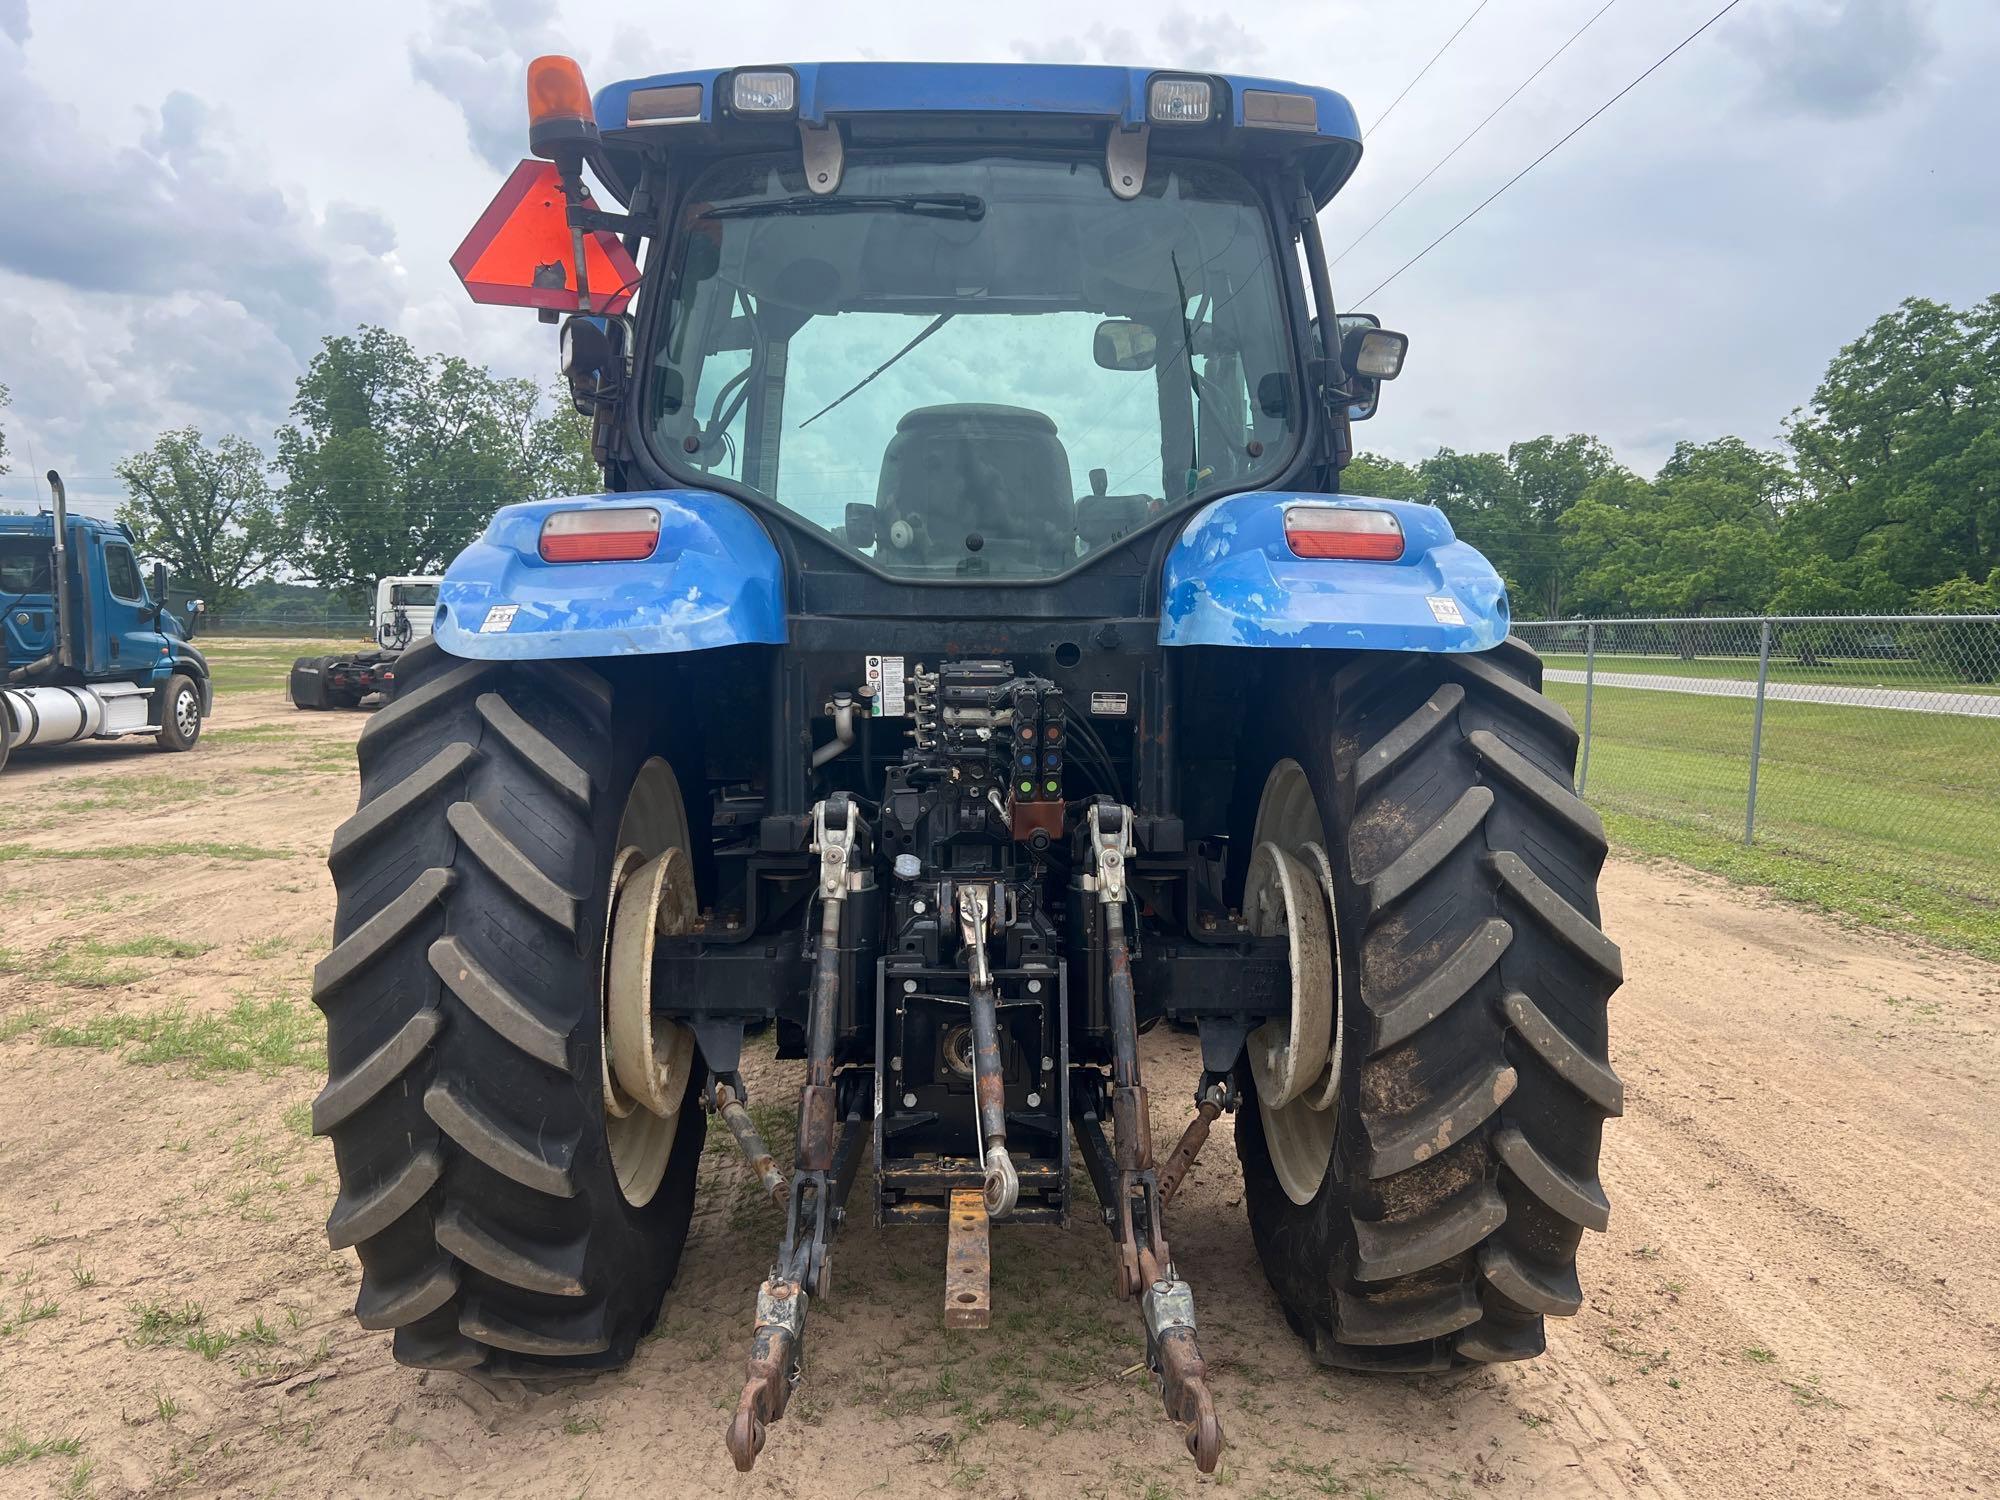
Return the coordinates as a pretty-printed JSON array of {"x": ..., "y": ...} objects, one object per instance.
[
  {"x": 848, "y": 709},
  {"x": 402, "y": 617},
  {"x": 92, "y": 649}
]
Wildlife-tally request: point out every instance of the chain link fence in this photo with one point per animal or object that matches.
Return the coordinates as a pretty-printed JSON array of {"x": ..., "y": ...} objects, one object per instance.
[{"x": 1871, "y": 741}]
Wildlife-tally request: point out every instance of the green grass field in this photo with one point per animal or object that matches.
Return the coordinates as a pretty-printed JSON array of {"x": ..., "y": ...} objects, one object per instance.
[
  {"x": 249, "y": 664},
  {"x": 1890, "y": 818},
  {"x": 1862, "y": 672}
]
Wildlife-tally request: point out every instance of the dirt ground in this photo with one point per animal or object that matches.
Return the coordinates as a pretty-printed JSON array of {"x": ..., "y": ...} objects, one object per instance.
[{"x": 1799, "y": 1295}]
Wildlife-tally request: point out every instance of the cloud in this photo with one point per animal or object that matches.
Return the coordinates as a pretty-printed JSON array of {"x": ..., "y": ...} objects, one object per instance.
[
  {"x": 1839, "y": 59},
  {"x": 476, "y": 54},
  {"x": 162, "y": 281},
  {"x": 1179, "y": 40}
]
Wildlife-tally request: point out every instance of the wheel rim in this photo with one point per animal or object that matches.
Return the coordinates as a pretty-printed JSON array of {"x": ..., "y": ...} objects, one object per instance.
[
  {"x": 187, "y": 713},
  {"x": 1299, "y": 1131},
  {"x": 640, "y": 1141}
]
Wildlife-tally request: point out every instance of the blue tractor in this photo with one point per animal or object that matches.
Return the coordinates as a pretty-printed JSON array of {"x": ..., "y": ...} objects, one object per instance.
[
  {"x": 91, "y": 651},
  {"x": 971, "y": 663}
]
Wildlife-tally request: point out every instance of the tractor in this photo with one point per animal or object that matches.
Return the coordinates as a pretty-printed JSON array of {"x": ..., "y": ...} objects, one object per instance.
[{"x": 971, "y": 663}]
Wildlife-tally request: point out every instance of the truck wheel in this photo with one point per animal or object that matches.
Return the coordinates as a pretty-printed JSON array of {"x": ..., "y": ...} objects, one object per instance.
[
  {"x": 180, "y": 713},
  {"x": 308, "y": 684},
  {"x": 1429, "y": 1213},
  {"x": 497, "y": 1219}
]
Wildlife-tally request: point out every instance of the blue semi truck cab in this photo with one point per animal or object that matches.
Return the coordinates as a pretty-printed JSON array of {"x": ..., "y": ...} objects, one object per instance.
[{"x": 92, "y": 650}]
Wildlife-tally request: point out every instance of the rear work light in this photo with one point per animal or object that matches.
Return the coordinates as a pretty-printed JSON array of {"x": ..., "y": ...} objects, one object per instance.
[
  {"x": 1179, "y": 101},
  {"x": 772, "y": 92},
  {"x": 623, "y": 534},
  {"x": 1351, "y": 535}
]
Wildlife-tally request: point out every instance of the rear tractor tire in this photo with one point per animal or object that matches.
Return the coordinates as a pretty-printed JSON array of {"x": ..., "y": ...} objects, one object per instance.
[
  {"x": 1417, "y": 1199},
  {"x": 498, "y": 1222}
]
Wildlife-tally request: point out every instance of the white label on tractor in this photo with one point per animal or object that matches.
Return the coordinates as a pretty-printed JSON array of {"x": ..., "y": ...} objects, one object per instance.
[
  {"x": 1444, "y": 609},
  {"x": 499, "y": 619},
  {"x": 1109, "y": 705},
  {"x": 887, "y": 691}
]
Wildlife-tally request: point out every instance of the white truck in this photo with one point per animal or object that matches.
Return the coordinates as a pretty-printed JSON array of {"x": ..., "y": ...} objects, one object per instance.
[{"x": 404, "y": 608}]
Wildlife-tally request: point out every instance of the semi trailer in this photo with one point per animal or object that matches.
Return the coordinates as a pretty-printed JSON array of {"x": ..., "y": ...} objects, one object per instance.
[
  {"x": 401, "y": 618},
  {"x": 971, "y": 662},
  {"x": 92, "y": 650}
]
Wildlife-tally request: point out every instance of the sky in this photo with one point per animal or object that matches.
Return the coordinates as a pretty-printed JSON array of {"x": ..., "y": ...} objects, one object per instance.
[{"x": 196, "y": 194}]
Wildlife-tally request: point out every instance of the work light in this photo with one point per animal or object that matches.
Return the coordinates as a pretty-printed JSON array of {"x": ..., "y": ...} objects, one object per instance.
[
  {"x": 1179, "y": 101},
  {"x": 769, "y": 92}
]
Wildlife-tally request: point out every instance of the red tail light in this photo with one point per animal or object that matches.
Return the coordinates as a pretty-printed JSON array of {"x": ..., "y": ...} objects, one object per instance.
[
  {"x": 620, "y": 534},
  {"x": 1337, "y": 532}
]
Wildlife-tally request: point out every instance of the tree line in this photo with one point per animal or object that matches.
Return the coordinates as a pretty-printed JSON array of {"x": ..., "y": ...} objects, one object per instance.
[
  {"x": 1884, "y": 498},
  {"x": 392, "y": 462}
]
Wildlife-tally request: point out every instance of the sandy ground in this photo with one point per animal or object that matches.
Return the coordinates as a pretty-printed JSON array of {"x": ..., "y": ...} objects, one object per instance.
[{"x": 1799, "y": 1295}]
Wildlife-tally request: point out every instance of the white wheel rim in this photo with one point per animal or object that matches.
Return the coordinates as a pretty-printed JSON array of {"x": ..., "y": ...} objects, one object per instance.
[
  {"x": 1299, "y": 1129},
  {"x": 654, "y": 822}
]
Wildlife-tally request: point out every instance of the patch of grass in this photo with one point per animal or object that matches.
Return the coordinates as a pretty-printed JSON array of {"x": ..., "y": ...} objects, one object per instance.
[
  {"x": 80, "y": 1275},
  {"x": 31, "y": 1309},
  {"x": 24, "y": 853},
  {"x": 298, "y": 1118},
  {"x": 20, "y": 1022},
  {"x": 1886, "y": 818},
  {"x": 252, "y": 1036},
  {"x": 165, "y": 1407},
  {"x": 1759, "y": 1356},
  {"x": 157, "y": 1323},
  {"x": 1807, "y": 1394},
  {"x": 578, "y": 1426},
  {"x": 16, "y": 1447},
  {"x": 147, "y": 945}
]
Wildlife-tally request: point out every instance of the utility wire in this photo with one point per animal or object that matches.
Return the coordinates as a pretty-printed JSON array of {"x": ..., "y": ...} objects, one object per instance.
[
  {"x": 1475, "y": 131},
  {"x": 1556, "y": 147},
  {"x": 1424, "y": 69}
]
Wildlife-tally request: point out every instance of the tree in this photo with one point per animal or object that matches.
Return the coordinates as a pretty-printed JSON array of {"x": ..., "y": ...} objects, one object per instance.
[
  {"x": 206, "y": 511},
  {"x": 1383, "y": 478},
  {"x": 559, "y": 451},
  {"x": 395, "y": 460},
  {"x": 1899, "y": 453},
  {"x": 1700, "y": 538}
]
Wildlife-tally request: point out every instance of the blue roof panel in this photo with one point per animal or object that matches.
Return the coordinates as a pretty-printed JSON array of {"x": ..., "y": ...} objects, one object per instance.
[{"x": 827, "y": 90}]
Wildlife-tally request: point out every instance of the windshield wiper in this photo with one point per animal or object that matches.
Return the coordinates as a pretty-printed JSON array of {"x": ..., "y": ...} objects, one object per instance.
[
  {"x": 929, "y": 328},
  {"x": 924, "y": 205}
]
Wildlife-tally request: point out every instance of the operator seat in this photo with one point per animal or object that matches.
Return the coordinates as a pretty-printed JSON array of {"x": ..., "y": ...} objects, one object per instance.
[{"x": 977, "y": 481}]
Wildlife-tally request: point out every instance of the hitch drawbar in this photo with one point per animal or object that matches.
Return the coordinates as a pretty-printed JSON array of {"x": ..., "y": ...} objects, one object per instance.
[{"x": 1134, "y": 1192}]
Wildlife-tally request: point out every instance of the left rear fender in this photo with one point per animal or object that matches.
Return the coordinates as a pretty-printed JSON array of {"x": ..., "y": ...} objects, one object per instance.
[{"x": 713, "y": 579}]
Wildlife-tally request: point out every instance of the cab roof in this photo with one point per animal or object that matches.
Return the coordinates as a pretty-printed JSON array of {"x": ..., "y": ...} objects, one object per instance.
[
  {"x": 42, "y": 523},
  {"x": 976, "y": 100}
]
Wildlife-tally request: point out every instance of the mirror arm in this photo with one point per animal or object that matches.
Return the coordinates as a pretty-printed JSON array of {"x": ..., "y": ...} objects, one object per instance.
[{"x": 1324, "y": 369}]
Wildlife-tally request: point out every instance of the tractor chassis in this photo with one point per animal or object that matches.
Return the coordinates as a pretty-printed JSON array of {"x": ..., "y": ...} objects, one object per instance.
[{"x": 839, "y": 1110}]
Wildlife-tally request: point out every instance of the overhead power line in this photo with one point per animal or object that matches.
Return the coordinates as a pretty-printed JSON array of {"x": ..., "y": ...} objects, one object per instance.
[
  {"x": 1424, "y": 69},
  {"x": 1657, "y": 65},
  {"x": 1518, "y": 90}
]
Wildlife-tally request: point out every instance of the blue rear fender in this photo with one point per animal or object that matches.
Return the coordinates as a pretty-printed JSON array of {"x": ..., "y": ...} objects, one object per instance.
[
  {"x": 713, "y": 579},
  {"x": 1232, "y": 580}
]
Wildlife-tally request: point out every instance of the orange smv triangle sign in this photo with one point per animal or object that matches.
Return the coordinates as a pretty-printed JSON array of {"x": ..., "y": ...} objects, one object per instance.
[{"x": 520, "y": 253}]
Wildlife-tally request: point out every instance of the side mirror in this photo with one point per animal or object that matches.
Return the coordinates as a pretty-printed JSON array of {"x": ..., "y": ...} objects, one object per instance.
[
  {"x": 593, "y": 359},
  {"x": 1124, "y": 345},
  {"x": 860, "y": 527},
  {"x": 159, "y": 583}
]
